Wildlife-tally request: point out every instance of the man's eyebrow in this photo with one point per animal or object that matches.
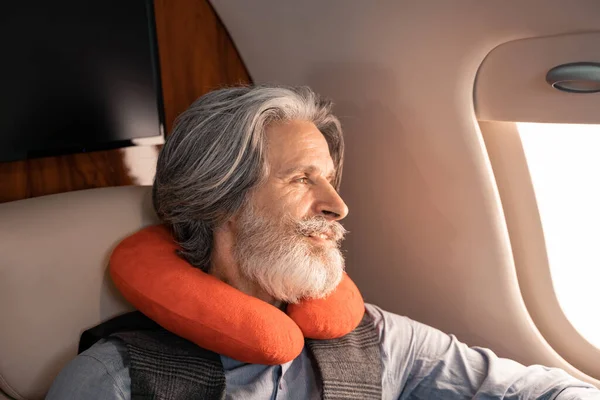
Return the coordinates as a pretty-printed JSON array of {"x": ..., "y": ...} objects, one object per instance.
[{"x": 309, "y": 169}]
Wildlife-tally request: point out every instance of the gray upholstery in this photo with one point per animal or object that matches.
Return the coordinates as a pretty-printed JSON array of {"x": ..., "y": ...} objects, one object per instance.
[{"x": 54, "y": 284}]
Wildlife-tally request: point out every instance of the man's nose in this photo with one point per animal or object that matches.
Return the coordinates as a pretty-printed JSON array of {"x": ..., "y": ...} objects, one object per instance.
[{"x": 330, "y": 203}]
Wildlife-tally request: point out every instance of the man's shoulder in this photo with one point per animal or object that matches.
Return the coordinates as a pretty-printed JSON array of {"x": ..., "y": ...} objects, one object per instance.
[
  {"x": 110, "y": 352},
  {"x": 399, "y": 325},
  {"x": 99, "y": 372},
  {"x": 385, "y": 320},
  {"x": 397, "y": 333}
]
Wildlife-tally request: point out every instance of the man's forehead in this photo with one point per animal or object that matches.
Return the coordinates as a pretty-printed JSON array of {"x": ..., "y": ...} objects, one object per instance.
[{"x": 297, "y": 144}]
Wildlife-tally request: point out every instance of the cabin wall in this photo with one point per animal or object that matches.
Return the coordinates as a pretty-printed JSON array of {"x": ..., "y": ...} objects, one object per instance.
[{"x": 428, "y": 237}]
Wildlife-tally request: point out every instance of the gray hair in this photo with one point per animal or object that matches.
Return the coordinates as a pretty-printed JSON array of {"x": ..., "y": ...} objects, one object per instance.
[{"x": 216, "y": 154}]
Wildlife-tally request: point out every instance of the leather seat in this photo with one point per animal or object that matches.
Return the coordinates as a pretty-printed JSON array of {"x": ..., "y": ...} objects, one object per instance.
[{"x": 54, "y": 284}]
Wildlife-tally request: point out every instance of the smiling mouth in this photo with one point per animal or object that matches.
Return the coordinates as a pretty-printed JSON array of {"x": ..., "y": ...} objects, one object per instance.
[{"x": 320, "y": 238}]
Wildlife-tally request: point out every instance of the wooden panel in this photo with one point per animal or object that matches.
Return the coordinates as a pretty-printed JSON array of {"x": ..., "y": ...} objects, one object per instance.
[
  {"x": 40, "y": 176},
  {"x": 196, "y": 55}
]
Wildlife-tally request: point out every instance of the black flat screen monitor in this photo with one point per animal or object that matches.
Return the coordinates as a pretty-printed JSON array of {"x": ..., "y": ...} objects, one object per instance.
[{"x": 78, "y": 76}]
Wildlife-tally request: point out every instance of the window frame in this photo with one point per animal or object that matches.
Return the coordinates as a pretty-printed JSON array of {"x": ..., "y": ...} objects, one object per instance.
[{"x": 523, "y": 221}]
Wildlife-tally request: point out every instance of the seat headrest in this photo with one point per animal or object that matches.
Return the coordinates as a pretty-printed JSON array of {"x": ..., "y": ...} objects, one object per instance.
[{"x": 54, "y": 283}]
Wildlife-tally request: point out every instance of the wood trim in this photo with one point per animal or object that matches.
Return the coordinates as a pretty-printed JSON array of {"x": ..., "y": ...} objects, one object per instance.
[{"x": 196, "y": 57}]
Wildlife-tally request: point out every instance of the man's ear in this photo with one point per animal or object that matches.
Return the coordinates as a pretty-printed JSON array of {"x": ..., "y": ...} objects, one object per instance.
[
  {"x": 223, "y": 244},
  {"x": 226, "y": 232},
  {"x": 231, "y": 223}
]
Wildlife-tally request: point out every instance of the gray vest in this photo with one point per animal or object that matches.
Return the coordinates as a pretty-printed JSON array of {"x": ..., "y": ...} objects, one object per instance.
[{"x": 164, "y": 366}]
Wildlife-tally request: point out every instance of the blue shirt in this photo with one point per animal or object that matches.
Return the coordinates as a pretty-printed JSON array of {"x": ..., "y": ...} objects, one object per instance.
[{"x": 419, "y": 362}]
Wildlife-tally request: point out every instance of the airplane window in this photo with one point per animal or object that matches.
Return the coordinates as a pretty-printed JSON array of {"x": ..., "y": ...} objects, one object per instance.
[{"x": 564, "y": 164}]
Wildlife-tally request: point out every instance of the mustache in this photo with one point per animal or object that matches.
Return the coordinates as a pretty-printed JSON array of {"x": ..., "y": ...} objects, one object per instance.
[{"x": 317, "y": 225}]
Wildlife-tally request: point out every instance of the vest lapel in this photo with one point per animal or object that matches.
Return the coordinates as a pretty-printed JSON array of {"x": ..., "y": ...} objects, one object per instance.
[
  {"x": 164, "y": 366},
  {"x": 350, "y": 367}
]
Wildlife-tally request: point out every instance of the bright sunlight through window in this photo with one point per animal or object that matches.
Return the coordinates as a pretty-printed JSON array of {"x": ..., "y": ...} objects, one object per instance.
[{"x": 564, "y": 162}]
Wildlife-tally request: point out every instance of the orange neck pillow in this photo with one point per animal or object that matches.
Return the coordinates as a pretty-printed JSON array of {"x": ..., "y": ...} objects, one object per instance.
[{"x": 215, "y": 316}]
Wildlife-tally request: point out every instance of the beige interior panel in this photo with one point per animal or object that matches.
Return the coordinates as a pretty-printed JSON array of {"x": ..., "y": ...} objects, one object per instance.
[{"x": 511, "y": 83}]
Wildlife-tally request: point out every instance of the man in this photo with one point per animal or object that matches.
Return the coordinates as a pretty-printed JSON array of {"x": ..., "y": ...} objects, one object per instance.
[{"x": 248, "y": 182}]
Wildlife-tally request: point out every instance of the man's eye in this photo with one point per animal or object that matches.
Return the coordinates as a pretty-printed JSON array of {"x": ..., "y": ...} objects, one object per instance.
[{"x": 303, "y": 180}]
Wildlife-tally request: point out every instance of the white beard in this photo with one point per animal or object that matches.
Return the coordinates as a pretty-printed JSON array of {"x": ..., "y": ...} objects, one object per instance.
[{"x": 277, "y": 255}]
